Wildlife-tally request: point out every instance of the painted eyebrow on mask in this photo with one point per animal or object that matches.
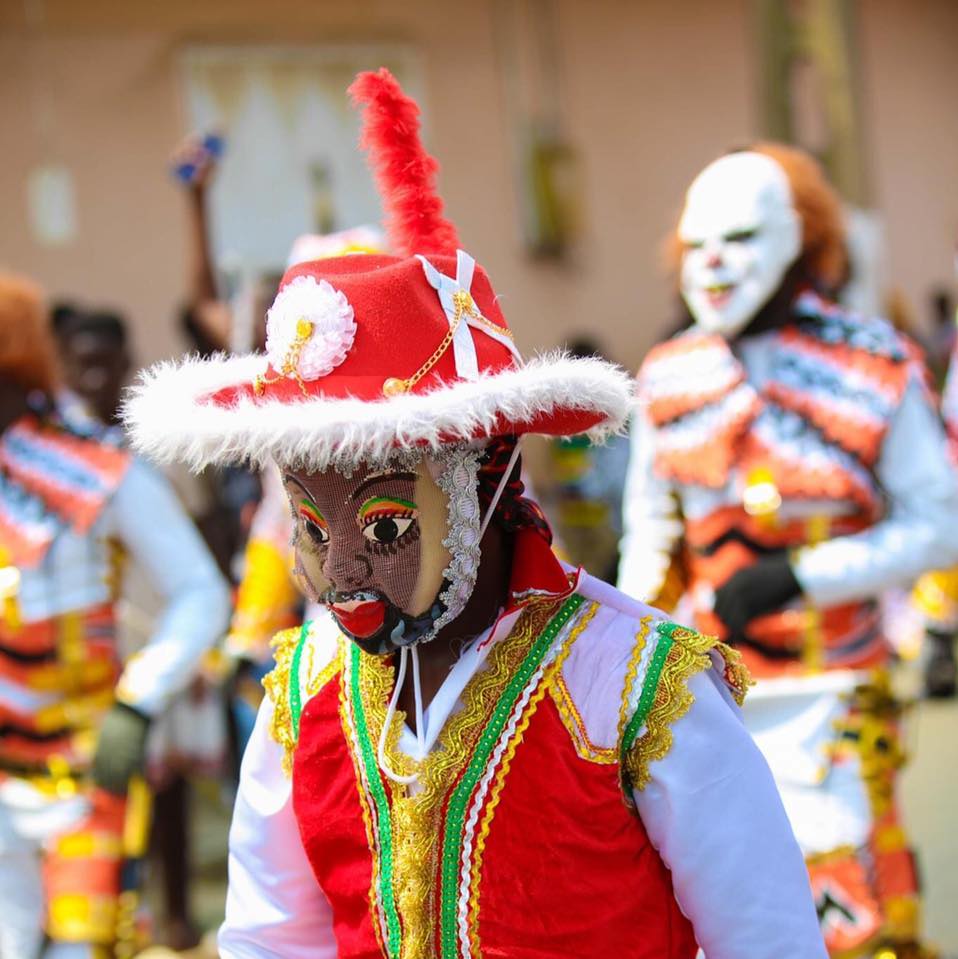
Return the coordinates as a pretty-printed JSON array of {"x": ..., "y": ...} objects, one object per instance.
[
  {"x": 378, "y": 504},
  {"x": 380, "y": 478}
]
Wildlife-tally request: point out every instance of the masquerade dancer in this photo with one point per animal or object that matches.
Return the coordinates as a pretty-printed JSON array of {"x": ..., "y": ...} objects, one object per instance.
[
  {"x": 479, "y": 752},
  {"x": 788, "y": 459},
  {"x": 73, "y": 719}
]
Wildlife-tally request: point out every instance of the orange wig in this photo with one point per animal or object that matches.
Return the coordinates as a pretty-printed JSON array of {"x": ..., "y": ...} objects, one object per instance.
[
  {"x": 824, "y": 253},
  {"x": 27, "y": 349}
]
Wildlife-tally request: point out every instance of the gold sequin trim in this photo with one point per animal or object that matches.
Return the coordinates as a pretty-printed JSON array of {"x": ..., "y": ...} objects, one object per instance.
[
  {"x": 688, "y": 655},
  {"x": 553, "y": 673},
  {"x": 276, "y": 684}
]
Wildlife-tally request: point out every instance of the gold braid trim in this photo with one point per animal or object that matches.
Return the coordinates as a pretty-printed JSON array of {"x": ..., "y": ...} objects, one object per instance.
[
  {"x": 737, "y": 677},
  {"x": 276, "y": 684},
  {"x": 641, "y": 638},
  {"x": 315, "y": 683},
  {"x": 575, "y": 726},
  {"x": 688, "y": 655}
]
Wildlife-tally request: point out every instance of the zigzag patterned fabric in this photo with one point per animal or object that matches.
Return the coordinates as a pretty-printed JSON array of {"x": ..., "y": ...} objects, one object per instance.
[
  {"x": 817, "y": 423},
  {"x": 52, "y": 477}
]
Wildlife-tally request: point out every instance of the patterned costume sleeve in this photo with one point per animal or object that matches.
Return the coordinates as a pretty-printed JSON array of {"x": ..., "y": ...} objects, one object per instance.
[
  {"x": 921, "y": 485},
  {"x": 656, "y": 694},
  {"x": 709, "y": 804}
]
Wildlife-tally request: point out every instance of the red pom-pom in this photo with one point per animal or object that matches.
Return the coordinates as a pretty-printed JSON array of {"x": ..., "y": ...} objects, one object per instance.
[{"x": 405, "y": 173}]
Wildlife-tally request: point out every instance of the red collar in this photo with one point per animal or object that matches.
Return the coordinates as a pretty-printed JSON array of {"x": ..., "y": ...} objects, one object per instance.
[{"x": 537, "y": 572}]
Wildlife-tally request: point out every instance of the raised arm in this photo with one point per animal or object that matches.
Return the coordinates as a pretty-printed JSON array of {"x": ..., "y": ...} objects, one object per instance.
[{"x": 206, "y": 310}]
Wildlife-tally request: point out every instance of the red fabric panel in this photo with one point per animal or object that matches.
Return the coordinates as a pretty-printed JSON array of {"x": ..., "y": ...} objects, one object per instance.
[
  {"x": 568, "y": 868},
  {"x": 327, "y": 809}
]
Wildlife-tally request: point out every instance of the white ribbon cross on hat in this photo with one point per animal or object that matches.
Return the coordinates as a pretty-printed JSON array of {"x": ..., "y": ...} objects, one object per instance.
[{"x": 463, "y": 345}]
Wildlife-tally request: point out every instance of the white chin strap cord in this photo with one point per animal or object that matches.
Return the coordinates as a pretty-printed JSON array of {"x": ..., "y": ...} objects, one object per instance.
[{"x": 405, "y": 652}]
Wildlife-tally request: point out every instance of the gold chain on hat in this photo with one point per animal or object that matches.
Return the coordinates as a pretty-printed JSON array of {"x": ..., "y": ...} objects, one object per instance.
[
  {"x": 290, "y": 364},
  {"x": 464, "y": 305}
]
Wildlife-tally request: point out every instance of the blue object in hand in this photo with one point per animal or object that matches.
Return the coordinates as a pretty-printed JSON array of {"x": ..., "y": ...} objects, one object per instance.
[{"x": 212, "y": 147}]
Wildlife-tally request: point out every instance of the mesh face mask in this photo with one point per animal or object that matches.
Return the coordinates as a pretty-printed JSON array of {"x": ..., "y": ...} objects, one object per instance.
[{"x": 392, "y": 549}]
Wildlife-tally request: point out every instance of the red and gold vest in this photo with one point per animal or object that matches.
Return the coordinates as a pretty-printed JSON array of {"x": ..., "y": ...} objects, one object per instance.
[
  {"x": 522, "y": 840},
  {"x": 812, "y": 432}
]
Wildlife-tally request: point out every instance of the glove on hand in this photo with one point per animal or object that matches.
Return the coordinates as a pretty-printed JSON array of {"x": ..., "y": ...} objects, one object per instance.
[
  {"x": 121, "y": 749},
  {"x": 760, "y": 588}
]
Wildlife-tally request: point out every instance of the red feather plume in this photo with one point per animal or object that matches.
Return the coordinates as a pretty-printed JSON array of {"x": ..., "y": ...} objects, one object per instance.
[{"x": 405, "y": 173}]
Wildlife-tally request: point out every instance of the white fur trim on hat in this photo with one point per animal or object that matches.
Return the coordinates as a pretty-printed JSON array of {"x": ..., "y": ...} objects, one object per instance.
[{"x": 168, "y": 422}]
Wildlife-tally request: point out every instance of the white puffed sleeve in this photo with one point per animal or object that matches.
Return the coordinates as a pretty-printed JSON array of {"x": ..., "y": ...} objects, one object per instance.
[
  {"x": 275, "y": 908},
  {"x": 712, "y": 811}
]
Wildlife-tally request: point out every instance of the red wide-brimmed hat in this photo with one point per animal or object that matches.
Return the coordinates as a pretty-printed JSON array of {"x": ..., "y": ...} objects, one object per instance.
[{"x": 368, "y": 353}]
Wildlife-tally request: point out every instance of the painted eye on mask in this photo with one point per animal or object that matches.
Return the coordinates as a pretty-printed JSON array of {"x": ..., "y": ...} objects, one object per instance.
[
  {"x": 313, "y": 521},
  {"x": 386, "y": 519},
  {"x": 693, "y": 244},
  {"x": 740, "y": 236}
]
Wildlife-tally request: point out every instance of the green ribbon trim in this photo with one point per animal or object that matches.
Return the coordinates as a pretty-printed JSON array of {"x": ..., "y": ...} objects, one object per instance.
[
  {"x": 383, "y": 817},
  {"x": 456, "y": 810},
  {"x": 295, "y": 696},
  {"x": 650, "y": 685}
]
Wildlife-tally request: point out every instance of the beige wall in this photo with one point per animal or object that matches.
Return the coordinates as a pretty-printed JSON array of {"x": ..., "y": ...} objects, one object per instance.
[
  {"x": 650, "y": 91},
  {"x": 910, "y": 74}
]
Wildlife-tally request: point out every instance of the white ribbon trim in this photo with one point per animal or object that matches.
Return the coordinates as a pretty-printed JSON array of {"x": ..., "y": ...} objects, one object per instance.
[{"x": 463, "y": 345}]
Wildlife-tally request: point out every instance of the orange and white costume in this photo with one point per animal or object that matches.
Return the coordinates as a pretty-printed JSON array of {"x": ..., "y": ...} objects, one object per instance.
[
  {"x": 69, "y": 501},
  {"x": 813, "y": 441}
]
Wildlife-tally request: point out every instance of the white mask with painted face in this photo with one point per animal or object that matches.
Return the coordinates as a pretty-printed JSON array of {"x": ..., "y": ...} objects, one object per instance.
[{"x": 740, "y": 233}]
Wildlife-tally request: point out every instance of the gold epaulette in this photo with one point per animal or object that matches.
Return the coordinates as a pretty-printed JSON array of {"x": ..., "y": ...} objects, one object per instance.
[
  {"x": 293, "y": 681},
  {"x": 667, "y": 663}
]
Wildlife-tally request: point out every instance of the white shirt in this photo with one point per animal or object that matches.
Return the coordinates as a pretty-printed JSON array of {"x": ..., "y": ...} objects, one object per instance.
[{"x": 711, "y": 809}]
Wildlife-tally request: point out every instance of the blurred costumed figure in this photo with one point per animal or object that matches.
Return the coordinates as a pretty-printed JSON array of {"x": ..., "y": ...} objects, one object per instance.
[
  {"x": 74, "y": 717},
  {"x": 476, "y": 751},
  {"x": 936, "y": 594},
  {"x": 585, "y": 498},
  {"x": 189, "y": 738},
  {"x": 788, "y": 466}
]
